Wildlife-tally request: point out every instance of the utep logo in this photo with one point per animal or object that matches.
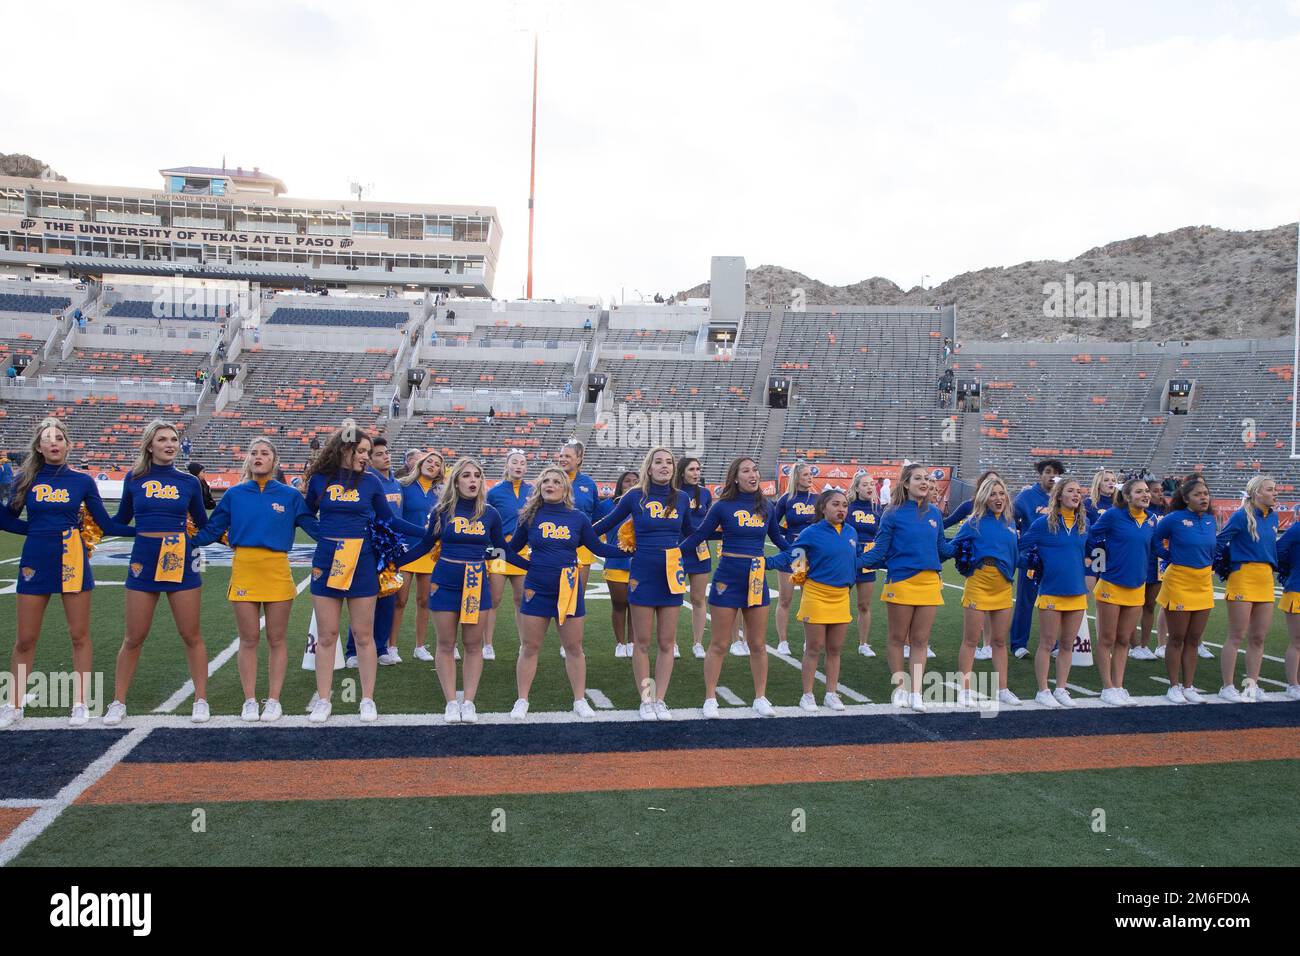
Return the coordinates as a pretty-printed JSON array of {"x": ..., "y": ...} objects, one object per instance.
[
  {"x": 555, "y": 532},
  {"x": 658, "y": 509},
  {"x": 339, "y": 493},
  {"x": 156, "y": 489},
  {"x": 47, "y": 493},
  {"x": 747, "y": 519},
  {"x": 462, "y": 525},
  {"x": 276, "y": 506}
]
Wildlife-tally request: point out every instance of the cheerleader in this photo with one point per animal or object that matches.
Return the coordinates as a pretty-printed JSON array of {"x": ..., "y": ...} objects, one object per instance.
[
  {"x": 616, "y": 571},
  {"x": 1029, "y": 504},
  {"x": 1139, "y": 648},
  {"x": 987, "y": 550},
  {"x": 1250, "y": 542},
  {"x": 64, "y": 518},
  {"x": 745, "y": 517},
  {"x": 830, "y": 552},
  {"x": 963, "y": 510},
  {"x": 1120, "y": 547},
  {"x": 911, "y": 547},
  {"x": 698, "y": 564},
  {"x": 386, "y": 603},
  {"x": 467, "y": 527},
  {"x": 554, "y": 531},
  {"x": 507, "y": 496},
  {"x": 657, "y": 580},
  {"x": 162, "y": 500},
  {"x": 795, "y": 509},
  {"x": 353, "y": 509},
  {"x": 1100, "y": 497},
  {"x": 864, "y": 516},
  {"x": 421, "y": 486},
  {"x": 1054, "y": 549},
  {"x": 1288, "y": 570},
  {"x": 258, "y": 517},
  {"x": 1185, "y": 539},
  {"x": 585, "y": 497}
]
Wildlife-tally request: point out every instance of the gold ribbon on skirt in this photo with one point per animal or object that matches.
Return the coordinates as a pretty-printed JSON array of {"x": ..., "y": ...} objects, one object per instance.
[
  {"x": 757, "y": 581},
  {"x": 74, "y": 562},
  {"x": 567, "y": 605},
  {"x": 676, "y": 576},
  {"x": 471, "y": 592},
  {"x": 171, "y": 560},
  {"x": 344, "y": 565}
]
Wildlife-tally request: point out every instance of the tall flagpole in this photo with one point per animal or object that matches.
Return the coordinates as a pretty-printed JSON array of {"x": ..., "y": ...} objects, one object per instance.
[{"x": 532, "y": 173}]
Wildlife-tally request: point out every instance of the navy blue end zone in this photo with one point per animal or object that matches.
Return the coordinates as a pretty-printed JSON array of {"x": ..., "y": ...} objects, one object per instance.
[
  {"x": 37, "y": 764},
  {"x": 353, "y": 743}
]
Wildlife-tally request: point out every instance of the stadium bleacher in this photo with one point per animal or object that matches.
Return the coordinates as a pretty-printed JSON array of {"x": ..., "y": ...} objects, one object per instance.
[
  {"x": 135, "y": 309},
  {"x": 340, "y": 318},
  {"x": 537, "y": 374},
  {"x": 104, "y": 430},
  {"x": 43, "y": 304},
  {"x": 458, "y": 434},
  {"x": 135, "y": 364}
]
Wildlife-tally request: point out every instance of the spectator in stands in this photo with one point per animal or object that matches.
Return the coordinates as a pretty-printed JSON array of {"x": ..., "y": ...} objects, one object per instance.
[
  {"x": 186, "y": 448},
  {"x": 568, "y": 389},
  {"x": 408, "y": 462},
  {"x": 433, "y": 337},
  {"x": 947, "y": 348},
  {"x": 11, "y": 372},
  {"x": 451, "y": 316},
  {"x": 659, "y": 299},
  {"x": 491, "y": 415},
  {"x": 6, "y": 477},
  {"x": 1030, "y": 503},
  {"x": 196, "y": 469},
  {"x": 397, "y": 406},
  {"x": 586, "y": 324},
  {"x": 314, "y": 445}
]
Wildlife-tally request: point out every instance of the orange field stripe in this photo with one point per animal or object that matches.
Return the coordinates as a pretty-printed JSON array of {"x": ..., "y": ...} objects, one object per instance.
[
  {"x": 10, "y": 817},
  {"x": 671, "y": 769}
]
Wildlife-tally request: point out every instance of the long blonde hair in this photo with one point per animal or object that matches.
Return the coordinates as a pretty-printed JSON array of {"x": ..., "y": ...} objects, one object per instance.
[
  {"x": 980, "y": 507},
  {"x": 246, "y": 473},
  {"x": 644, "y": 476},
  {"x": 144, "y": 461},
  {"x": 35, "y": 462},
  {"x": 796, "y": 472},
  {"x": 412, "y": 476},
  {"x": 450, "y": 496},
  {"x": 1054, "y": 507},
  {"x": 898, "y": 493},
  {"x": 535, "y": 501},
  {"x": 1252, "y": 487},
  {"x": 1094, "y": 492},
  {"x": 853, "y": 495}
]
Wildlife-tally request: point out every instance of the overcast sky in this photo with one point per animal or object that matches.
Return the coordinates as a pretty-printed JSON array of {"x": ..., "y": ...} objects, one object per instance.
[{"x": 844, "y": 140}]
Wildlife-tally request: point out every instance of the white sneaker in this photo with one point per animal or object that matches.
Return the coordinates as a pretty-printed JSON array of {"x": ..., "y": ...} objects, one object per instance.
[
  {"x": 520, "y": 710},
  {"x": 662, "y": 712},
  {"x": 1146, "y": 654},
  {"x": 783, "y": 648},
  {"x": 698, "y": 651},
  {"x": 79, "y": 716},
  {"x": 1251, "y": 691},
  {"x": 677, "y": 651},
  {"x": 808, "y": 702},
  {"x": 899, "y": 697},
  {"x": 1063, "y": 697},
  {"x": 907, "y": 651},
  {"x": 916, "y": 702},
  {"x": 1112, "y": 697},
  {"x": 489, "y": 652},
  {"x": 1175, "y": 694},
  {"x": 271, "y": 711},
  {"x": 984, "y": 653},
  {"x": 1205, "y": 652},
  {"x": 1192, "y": 695},
  {"x": 561, "y": 652},
  {"x": 1228, "y": 692},
  {"x": 1056, "y": 651},
  {"x": 583, "y": 709},
  {"x": 1128, "y": 698},
  {"x": 422, "y": 654},
  {"x": 929, "y": 651},
  {"x": 763, "y": 707},
  {"x": 451, "y": 713},
  {"x": 384, "y": 660},
  {"x": 1006, "y": 697},
  {"x": 393, "y": 656},
  {"x": 648, "y": 711},
  {"x": 618, "y": 650},
  {"x": 320, "y": 711},
  {"x": 200, "y": 713},
  {"x": 1159, "y": 653},
  {"x": 468, "y": 712},
  {"x": 965, "y": 698},
  {"x": 112, "y": 717},
  {"x": 311, "y": 704},
  {"x": 1293, "y": 691},
  {"x": 739, "y": 648},
  {"x": 455, "y": 653},
  {"x": 866, "y": 651},
  {"x": 9, "y": 714},
  {"x": 832, "y": 700},
  {"x": 1045, "y": 698},
  {"x": 1021, "y": 653},
  {"x": 710, "y": 708},
  {"x": 249, "y": 713},
  {"x": 369, "y": 713},
  {"x": 351, "y": 662}
]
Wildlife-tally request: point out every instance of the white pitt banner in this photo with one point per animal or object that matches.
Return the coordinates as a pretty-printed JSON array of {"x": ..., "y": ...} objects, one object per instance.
[{"x": 309, "y": 658}]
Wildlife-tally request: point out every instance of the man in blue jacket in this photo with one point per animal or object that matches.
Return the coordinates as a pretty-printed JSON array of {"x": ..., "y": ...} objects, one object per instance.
[{"x": 1030, "y": 503}]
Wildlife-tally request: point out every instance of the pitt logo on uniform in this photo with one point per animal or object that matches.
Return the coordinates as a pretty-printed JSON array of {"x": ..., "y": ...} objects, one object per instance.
[
  {"x": 339, "y": 493},
  {"x": 462, "y": 525},
  {"x": 555, "y": 532},
  {"x": 47, "y": 493},
  {"x": 657, "y": 509},
  {"x": 803, "y": 509},
  {"x": 276, "y": 506},
  {"x": 747, "y": 519},
  {"x": 862, "y": 517},
  {"x": 156, "y": 489}
]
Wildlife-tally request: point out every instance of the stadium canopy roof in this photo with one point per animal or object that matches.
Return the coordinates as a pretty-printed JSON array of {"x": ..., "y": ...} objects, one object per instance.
[
  {"x": 237, "y": 174},
  {"x": 213, "y": 271}
]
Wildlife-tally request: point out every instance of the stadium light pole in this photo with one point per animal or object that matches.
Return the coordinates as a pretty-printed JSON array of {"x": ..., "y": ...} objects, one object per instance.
[{"x": 532, "y": 173}]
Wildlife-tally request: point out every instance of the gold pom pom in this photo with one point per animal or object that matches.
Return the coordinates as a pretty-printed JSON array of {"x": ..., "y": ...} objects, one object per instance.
[
  {"x": 627, "y": 537},
  {"x": 390, "y": 581},
  {"x": 190, "y": 527},
  {"x": 91, "y": 533},
  {"x": 436, "y": 552}
]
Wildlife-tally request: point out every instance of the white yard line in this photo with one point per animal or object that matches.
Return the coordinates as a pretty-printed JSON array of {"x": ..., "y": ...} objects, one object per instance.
[
  {"x": 599, "y": 700},
  {"x": 187, "y": 689},
  {"x": 730, "y": 696},
  {"x": 35, "y": 825},
  {"x": 22, "y": 803}
]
